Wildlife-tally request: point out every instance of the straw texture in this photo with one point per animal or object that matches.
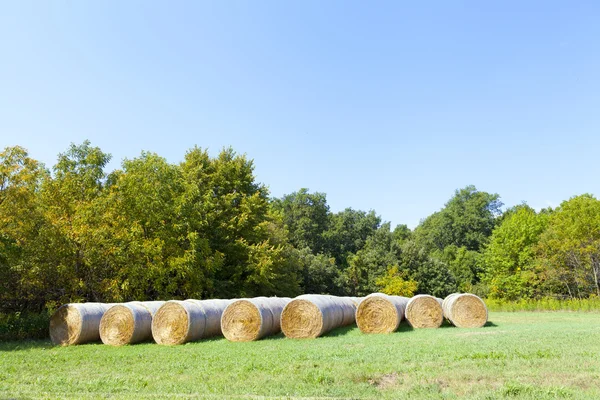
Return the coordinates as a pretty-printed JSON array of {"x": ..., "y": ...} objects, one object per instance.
[
  {"x": 424, "y": 311},
  {"x": 128, "y": 323},
  {"x": 246, "y": 320},
  {"x": 77, "y": 323},
  {"x": 178, "y": 322},
  {"x": 465, "y": 310},
  {"x": 380, "y": 313},
  {"x": 312, "y": 315}
]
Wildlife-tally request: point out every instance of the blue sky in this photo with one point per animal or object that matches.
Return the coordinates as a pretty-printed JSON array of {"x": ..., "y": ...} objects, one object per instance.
[{"x": 382, "y": 105}]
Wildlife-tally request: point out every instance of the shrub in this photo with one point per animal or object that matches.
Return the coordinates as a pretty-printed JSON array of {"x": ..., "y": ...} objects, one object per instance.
[{"x": 27, "y": 325}]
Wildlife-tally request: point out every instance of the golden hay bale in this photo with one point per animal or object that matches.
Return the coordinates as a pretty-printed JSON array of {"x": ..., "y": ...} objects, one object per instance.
[
  {"x": 178, "y": 322},
  {"x": 424, "y": 311},
  {"x": 465, "y": 310},
  {"x": 128, "y": 323},
  {"x": 311, "y": 315},
  {"x": 245, "y": 320},
  {"x": 77, "y": 323},
  {"x": 380, "y": 313}
]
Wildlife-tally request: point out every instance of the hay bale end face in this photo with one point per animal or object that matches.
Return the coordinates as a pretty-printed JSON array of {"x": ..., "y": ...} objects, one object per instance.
[
  {"x": 128, "y": 323},
  {"x": 424, "y": 311},
  {"x": 252, "y": 319},
  {"x": 465, "y": 310},
  {"x": 380, "y": 313},
  {"x": 310, "y": 316},
  {"x": 178, "y": 322},
  {"x": 77, "y": 323}
]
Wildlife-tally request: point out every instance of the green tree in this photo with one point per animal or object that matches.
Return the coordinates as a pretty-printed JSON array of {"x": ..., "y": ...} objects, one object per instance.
[
  {"x": 370, "y": 263},
  {"x": 395, "y": 283},
  {"x": 467, "y": 220},
  {"x": 433, "y": 275},
  {"x": 569, "y": 249},
  {"x": 464, "y": 264},
  {"x": 511, "y": 271},
  {"x": 20, "y": 221},
  {"x": 68, "y": 201},
  {"x": 245, "y": 245},
  {"x": 142, "y": 235},
  {"x": 402, "y": 233},
  {"x": 306, "y": 216},
  {"x": 319, "y": 272},
  {"x": 348, "y": 232}
]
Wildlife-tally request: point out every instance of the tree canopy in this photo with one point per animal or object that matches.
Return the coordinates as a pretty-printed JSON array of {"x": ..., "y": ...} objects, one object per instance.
[{"x": 204, "y": 227}]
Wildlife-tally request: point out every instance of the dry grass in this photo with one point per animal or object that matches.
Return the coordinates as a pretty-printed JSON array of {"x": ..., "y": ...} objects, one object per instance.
[
  {"x": 178, "y": 322},
  {"x": 310, "y": 316},
  {"x": 302, "y": 319},
  {"x": 246, "y": 320},
  {"x": 77, "y": 323},
  {"x": 465, "y": 310},
  {"x": 128, "y": 323},
  {"x": 380, "y": 313},
  {"x": 424, "y": 311},
  {"x": 171, "y": 324}
]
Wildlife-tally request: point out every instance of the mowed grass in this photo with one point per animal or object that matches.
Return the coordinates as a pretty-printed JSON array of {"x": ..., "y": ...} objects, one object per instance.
[{"x": 520, "y": 355}]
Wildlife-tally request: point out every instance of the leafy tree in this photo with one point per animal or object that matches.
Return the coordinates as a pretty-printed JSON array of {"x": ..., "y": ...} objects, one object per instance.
[
  {"x": 395, "y": 283},
  {"x": 371, "y": 262},
  {"x": 306, "y": 216},
  {"x": 467, "y": 220},
  {"x": 20, "y": 220},
  {"x": 402, "y": 233},
  {"x": 510, "y": 268},
  {"x": 319, "y": 272},
  {"x": 142, "y": 234},
  {"x": 348, "y": 232},
  {"x": 464, "y": 264},
  {"x": 205, "y": 228},
  {"x": 433, "y": 276},
  {"x": 68, "y": 202},
  {"x": 569, "y": 248},
  {"x": 242, "y": 241}
]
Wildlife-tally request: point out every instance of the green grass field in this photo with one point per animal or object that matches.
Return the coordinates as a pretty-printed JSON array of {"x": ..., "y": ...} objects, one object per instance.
[{"x": 519, "y": 355}]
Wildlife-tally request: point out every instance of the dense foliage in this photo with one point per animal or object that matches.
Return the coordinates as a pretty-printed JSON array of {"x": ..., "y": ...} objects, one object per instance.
[{"x": 205, "y": 228}]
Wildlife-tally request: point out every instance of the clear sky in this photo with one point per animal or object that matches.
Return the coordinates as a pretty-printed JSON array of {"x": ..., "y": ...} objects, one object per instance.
[{"x": 382, "y": 105}]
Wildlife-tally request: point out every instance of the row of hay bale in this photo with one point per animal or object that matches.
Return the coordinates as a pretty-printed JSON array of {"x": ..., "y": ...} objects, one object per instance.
[
  {"x": 306, "y": 316},
  {"x": 381, "y": 313}
]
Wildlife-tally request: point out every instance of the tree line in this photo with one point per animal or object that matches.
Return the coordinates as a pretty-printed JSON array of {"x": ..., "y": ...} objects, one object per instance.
[{"x": 205, "y": 228}]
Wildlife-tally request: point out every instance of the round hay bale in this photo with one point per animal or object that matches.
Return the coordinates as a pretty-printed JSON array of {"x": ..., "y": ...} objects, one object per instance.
[
  {"x": 246, "y": 320},
  {"x": 356, "y": 300},
  {"x": 465, "y": 310},
  {"x": 77, "y": 323},
  {"x": 128, "y": 323},
  {"x": 178, "y": 322},
  {"x": 424, "y": 311},
  {"x": 380, "y": 313},
  {"x": 312, "y": 315}
]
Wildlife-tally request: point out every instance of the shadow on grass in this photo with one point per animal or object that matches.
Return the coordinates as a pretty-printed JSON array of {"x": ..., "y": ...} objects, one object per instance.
[
  {"x": 24, "y": 345},
  {"x": 340, "y": 331},
  {"x": 447, "y": 324},
  {"x": 20, "y": 345},
  {"x": 279, "y": 336}
]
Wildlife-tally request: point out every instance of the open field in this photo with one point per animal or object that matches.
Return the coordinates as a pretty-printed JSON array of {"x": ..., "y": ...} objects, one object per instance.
[{"x": 521, "y": 355}]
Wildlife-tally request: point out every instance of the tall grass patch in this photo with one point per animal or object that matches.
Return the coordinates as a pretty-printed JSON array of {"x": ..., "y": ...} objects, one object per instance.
[{"x": 591, "y": 304}]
